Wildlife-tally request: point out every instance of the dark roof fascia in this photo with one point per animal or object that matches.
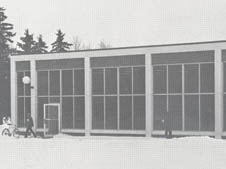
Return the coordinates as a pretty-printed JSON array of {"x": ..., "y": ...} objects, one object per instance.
[{"x": 134, "y": 47}]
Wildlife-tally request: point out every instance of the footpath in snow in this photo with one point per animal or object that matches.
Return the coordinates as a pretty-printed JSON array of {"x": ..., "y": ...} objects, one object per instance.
[{"x": 69, "y": 152}]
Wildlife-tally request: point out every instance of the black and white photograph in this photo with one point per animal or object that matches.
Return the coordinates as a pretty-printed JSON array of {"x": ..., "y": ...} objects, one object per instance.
[{"x": 113, "y": 84}]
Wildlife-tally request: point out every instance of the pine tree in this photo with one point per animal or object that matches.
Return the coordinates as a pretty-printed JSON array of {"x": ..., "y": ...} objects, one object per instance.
[
  {"x": 59, "y": 45},
  {"x": 103, "y": 45},
  {"x": 27, "y": 44},
  {"x": 5, "y": 35},
  {"x": 40, "y": 46}
]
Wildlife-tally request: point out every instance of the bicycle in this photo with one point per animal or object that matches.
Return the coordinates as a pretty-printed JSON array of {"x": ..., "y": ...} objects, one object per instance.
[{"x": 10, "y": 130}]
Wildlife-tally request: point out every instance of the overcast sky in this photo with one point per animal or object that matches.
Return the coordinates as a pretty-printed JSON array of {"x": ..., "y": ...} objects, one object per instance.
[{"x": 120, "y": 22}]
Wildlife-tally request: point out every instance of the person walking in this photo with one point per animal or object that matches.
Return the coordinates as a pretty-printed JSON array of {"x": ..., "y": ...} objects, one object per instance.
[{"x": 29, "y": 125}]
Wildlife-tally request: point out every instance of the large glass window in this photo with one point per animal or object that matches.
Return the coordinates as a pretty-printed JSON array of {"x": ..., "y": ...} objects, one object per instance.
[
  {"x": 191, "y": 78},
  {"x": 111, "y": 81},
  {"x": 65, "y": 87},
  {"x": 191, "y": 112},
  {"x": 67, "y": 82},
  {"x": 111, "y": 112},
  {"x": 125, "y": 80},
  {"x": 125, "y": 112},
  {"x": 43, "y": 83},
  {"x": 174, "y": 78},
  {"x": 79, "y": 82},
  {"x": 159, "y": 79},
  {"x": 187, "y": 92},
  {"x": 118, "y": 101},
  {"x": 67, "y": 112},
  {"x": 54, "y": 80},
  {"x": 139, "y": 112},
  {"x": 207, "y": 78},
  {"x": 98, "y": 81},
  {"x": 98, "y": 112},
  {"x": 207, "y": 112},
  {"x": 79, "y": 112},
  {"x": 139, "y": 80}
]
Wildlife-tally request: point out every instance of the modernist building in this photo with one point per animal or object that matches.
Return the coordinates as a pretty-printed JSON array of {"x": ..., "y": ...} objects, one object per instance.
[{"x": 126, "y": 90}]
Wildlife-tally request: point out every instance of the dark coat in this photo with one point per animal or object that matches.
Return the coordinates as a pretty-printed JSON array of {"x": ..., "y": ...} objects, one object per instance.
[{"x": 29, "y": 122}]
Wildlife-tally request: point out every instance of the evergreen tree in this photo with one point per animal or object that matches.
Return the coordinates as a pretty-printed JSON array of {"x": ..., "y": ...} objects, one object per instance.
[
  {"x": 103, "y": 45},
  {"x": 40, "y": 46},
  {"x": 5, "y": 35},
  {"x": 59, "y": 45},
  {"x": 27, "y": 44}
]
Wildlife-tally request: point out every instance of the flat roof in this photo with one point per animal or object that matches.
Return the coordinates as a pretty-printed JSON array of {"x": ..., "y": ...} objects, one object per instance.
[{"x": 132, "y": 47}]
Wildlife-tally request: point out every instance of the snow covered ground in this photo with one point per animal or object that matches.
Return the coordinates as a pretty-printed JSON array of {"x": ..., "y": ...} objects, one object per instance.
[{"x": 67, "y": 152}]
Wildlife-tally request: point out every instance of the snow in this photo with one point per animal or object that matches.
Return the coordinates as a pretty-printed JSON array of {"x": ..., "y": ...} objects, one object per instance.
[{"x": 71, "y": 152}]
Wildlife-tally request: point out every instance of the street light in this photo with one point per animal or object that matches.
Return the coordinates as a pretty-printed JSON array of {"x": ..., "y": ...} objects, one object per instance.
[{"x": 27, "y": 81}]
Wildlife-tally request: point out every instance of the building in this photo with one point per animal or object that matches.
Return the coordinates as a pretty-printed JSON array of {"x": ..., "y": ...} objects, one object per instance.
[{"x": 126, "y": 90}]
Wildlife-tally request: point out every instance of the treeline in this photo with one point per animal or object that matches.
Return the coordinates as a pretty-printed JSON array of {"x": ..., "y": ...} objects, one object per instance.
[{"x": 30, "y": 45}]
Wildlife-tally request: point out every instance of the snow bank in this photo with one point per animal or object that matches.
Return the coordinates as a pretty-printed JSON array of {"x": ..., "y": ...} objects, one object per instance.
[{"x": 67, "y": 152}]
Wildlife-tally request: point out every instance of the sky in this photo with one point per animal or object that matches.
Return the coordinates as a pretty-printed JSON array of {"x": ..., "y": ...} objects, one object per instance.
[{"x": 120, "y": 22}]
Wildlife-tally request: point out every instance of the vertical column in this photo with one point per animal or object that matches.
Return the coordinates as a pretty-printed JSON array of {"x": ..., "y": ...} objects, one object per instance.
[
  {"x": 218, "y": 73},
  {"x": 33, "y": 92},
  {"x": 13, "y": 88},
  {"x": 148, "y": 90},
  {"x": 87, "y": 97}
]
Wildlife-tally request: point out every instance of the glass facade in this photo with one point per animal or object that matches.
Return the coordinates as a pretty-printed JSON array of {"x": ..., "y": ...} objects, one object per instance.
[
  {"x": 187, "y": 92},
  {"x": 118, "y": 93},
  {"x": 181, "y": 87},
  {"x": 67, "y": 88}
]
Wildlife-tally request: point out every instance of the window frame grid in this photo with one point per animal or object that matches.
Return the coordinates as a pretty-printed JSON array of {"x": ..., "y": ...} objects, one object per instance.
[
  {"x": 183, "y": 93},
  {"x": 61, "y": 95},
  {"x": 118, "y": 94}
]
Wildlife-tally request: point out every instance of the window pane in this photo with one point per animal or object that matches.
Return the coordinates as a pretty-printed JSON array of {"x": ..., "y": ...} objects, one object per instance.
[
  {"x": 20, "y": 85},
  {"x": 67, "y": 112},
  {"x": 79, "y": 82},
  {"x": 27, "y": 86},
  {"x": 175, "y": 107},
  {"x": 125, "y": 80},
  {"x": 125, "y": 112},
  {"x": 20, "y": 112},
  {"x": 67, "y": 82},
  {"x": 159, "y": 79},
  {"x": 160, "y": 108},
  {"x": 175, "y": 78},
  {"x": 207, "y": 112},
  {"x": 79, "y": 114},
  {"x": 27, "y": 106},
  {"x": 42, "y": 83},
  {"x": 111, "y": 81},
  {"x": 191, "y": 112},
  {"x": 41, "y": 102},
  {"x": 224, "y": 112},
  {"x": 139, "y": 80},
  {"x": 111, "y": 112},
  {"x": 54, "y": 79},
  {"x": 98, "y": 112},
  {"x": 97, "y": 81},
  {"x": 54, "y": 100},
  {"x": 224, "y": 77},
  {"x": 191, "y": 78},
  {"x": 139, "y": 112},
  {"x": 207, "y": 78}
]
